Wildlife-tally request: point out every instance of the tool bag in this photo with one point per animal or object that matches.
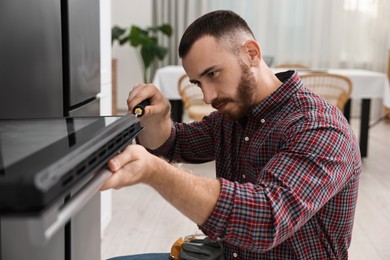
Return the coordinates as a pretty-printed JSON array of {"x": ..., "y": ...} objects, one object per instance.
[{"x": 192, "y": 248}]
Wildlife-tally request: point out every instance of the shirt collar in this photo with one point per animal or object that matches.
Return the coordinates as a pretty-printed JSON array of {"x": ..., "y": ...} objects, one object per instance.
[{"x": 291, "y": 84}]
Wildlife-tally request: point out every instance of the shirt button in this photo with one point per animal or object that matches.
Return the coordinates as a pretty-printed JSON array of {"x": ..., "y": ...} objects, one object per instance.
[
  {"x": 235, "y": 255},
  {"x": 246, "y": 138},
  {"x": 262, "y": 120}
]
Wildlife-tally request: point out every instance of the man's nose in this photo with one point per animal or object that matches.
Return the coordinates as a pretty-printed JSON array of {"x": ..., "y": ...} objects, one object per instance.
[{"x": 209, "y": 94}]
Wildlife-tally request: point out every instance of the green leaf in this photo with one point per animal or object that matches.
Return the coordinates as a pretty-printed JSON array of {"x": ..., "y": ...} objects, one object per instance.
[
  {"x": 123, "y": 40},
  {"x": 148, "y": 55},
  {"x": 137, "y": 36},
  {"x": 145, "y": 41},
  {"x": 166, "y": 29},
  {"x": 161, "y": 52},
  {"x": 117, "y": 34},
  {"x": 153, "y": 29}
]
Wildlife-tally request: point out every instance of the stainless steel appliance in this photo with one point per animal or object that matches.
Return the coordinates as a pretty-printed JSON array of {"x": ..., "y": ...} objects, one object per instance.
[
  {"x": 50, "y": 68},
  {"x": 50, "y": 172},
  {"x": 49, "y": 58}
]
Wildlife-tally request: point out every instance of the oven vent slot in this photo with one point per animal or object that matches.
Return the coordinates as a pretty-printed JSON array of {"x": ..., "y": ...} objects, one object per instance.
[{"x": 99, "y": 158}]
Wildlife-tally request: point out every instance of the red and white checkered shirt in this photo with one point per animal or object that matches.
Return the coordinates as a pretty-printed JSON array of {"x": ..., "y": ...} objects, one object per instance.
[{"x": 289, "y": 173}]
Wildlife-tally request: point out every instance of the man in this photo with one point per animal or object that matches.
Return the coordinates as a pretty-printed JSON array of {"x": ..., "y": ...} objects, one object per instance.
[{"x": 287, "y": 162}]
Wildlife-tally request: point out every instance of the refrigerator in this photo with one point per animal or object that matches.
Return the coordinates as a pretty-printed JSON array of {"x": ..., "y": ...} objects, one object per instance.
[
  {"x": 49, "y": 58},
  {"x": 50, "y": 68}
]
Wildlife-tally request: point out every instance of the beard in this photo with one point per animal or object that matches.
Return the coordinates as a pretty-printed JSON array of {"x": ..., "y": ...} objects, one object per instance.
[{"x": 244, "y": 95}]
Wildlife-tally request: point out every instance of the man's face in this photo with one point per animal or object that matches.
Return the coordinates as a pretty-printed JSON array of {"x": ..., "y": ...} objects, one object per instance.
[{"x": 226, "y": 81}]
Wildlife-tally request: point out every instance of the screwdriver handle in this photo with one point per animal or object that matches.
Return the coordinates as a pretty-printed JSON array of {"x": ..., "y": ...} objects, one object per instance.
[{"x": 139, "y": 110}]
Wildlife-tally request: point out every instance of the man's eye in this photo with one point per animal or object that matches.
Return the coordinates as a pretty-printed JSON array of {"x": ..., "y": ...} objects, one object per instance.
[
  {"x": 196, "y": 83},
  {"x": 211, "y": 74}
]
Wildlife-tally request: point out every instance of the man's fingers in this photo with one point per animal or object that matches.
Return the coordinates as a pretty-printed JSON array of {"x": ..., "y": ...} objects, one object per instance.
[
  {"x": 138, "y": 94},
  {"x": 121, "y": 159},
  {"x": 113, "y": 182},
  {"x": 123, "y": 173}
]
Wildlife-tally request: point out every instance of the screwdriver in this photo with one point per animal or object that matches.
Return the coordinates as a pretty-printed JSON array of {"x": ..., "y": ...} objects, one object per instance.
[{"x": 139, "y": 110}]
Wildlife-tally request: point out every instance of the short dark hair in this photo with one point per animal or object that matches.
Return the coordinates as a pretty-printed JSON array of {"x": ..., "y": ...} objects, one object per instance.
[{"x": 219, "y": 24}]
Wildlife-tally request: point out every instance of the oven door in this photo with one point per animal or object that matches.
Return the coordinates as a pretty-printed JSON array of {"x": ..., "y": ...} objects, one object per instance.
[{"x": 70, "y": 229}]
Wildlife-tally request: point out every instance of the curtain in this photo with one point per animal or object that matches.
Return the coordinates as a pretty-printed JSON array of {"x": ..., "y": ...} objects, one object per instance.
[
  {"x": 320, "y": 33},
  {"x": 179, "y": 14}
]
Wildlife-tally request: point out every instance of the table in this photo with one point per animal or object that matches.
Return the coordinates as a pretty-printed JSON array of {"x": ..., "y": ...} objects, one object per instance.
[{"x": 167, "y": 78}]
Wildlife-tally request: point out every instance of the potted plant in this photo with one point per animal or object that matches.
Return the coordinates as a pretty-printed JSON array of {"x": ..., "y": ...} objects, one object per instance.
[{"x": 146, "y": 43}]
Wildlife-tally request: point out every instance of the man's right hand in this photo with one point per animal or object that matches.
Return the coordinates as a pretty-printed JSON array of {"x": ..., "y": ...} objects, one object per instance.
[{"x": 156, "y": 119}]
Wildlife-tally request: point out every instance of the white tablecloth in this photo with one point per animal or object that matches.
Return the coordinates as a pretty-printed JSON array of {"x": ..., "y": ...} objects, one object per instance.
[
  {"x": 366, "y": 84},
  {"x": 167, "y": 79}
]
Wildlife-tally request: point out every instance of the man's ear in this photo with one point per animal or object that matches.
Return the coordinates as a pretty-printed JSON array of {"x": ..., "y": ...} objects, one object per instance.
[{"x": 252, "y": 48}]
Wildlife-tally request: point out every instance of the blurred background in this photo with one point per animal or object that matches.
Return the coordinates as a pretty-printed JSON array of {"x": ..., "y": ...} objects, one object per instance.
[{"x": 320, "y": 34}]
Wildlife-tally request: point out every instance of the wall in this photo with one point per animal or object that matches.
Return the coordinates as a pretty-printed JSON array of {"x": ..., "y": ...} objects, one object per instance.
[
  {"x": 125, "y": 13},
  {"x": 105, "y": 96}
]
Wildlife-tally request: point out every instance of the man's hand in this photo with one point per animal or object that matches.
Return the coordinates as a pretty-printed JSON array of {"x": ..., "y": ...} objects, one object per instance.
[
  {"x": 194, "y": 196},
  {"x": 159, "y": 108},
  {"x": 156, "y": 119},
  {"x": 134, "y": 165}
]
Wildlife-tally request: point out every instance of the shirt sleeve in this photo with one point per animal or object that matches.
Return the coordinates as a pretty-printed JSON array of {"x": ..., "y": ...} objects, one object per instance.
[
  {"x": 313, "y": 164},
  {"x": 190, "y": 142}
]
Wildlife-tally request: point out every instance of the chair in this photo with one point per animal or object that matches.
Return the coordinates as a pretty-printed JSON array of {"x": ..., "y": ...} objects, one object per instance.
[
  {"x": 192, "y": 98},
  {"x": 292, "y": 66},
  {"x": 333, "y": 87}
]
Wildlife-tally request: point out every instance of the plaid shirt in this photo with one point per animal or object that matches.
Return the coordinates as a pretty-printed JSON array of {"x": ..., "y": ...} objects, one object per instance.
[{"x": 289, "y": 173}]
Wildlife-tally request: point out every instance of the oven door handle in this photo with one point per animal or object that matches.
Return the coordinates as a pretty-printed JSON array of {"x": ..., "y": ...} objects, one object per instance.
[{"x": 43, "y": 228}]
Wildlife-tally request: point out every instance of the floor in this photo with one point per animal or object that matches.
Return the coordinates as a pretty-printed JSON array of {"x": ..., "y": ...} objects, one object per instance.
[{"x": 143, "y": 222}]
